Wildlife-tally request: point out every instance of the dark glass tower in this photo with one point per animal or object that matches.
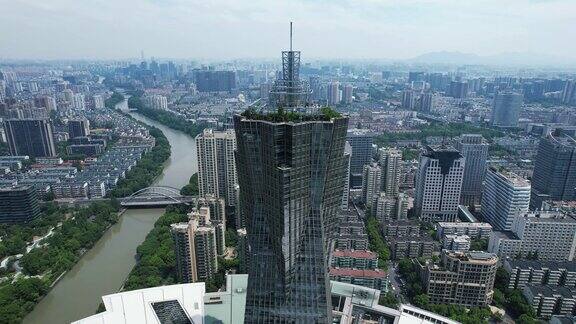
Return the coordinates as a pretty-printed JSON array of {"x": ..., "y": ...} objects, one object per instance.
[
  {"x": 291, "y": 171},
  {"x": 554, "y": 175},
  {"x": 32, "y": 137}
]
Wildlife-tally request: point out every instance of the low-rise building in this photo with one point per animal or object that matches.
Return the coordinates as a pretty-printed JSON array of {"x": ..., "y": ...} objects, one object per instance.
[
  {"x": 375, "y": 279},
  {"x": 550, "y": 300},
  {"x": 412, "y": 247},
  {"x": 474, "y": 230},
  {"x": 523, "y": 272},
  {"x": 463, "y": 278},
  {"x": 354, "y": 259},
  {"x": 456, "y": 242}
]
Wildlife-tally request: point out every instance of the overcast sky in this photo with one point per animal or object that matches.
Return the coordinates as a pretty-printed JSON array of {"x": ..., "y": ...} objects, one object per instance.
[{"x": 221, "y": 29}]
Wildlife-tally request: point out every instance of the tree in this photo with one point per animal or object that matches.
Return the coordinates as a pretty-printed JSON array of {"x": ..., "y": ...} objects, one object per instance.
[
  {"x": 421, "y": 300},
  {"x": 388, "y": 300}
]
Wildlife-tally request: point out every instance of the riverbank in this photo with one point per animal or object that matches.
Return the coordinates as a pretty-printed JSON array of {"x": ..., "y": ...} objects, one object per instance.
[
  {"x": 165, "y": 117},
  {"x": 105, "y": 267}
]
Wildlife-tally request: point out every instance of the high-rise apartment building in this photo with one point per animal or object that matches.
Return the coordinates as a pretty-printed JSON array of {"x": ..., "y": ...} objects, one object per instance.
[
  {"x": 408, "y": 99},
  {"x": 506, "y": 195},
  {"x": 554, "y": 176},
  {"x": 458, "y": 89},
  {"x": 78, "y": 102},
  {"x": 156, "y": 101},
  {"x": 98, "y": 102},
  {"x": 215, "y": 81},
  {"x": 18, "y": 204},
  {"x": 387, "y": 208},
  {"x": 569, "y": 92},
  {"x": 439, "y": 184},
  {"x": 390, "y": 161},
  {"x": 334, "y": 97},
  {"x": 474, "y": 149},
  {"x": 195, "y": 248},
  {"x": 464, "y": 278},
  {"x": 371, "y": 183},
  {"x": 78, "y": 127},
  {"x": 506, "y": 109},
  {"x": 426, "y": 102},
  {"x": 548, "y": 235},
  {"x": 291, "y": 174},
  {"x": 216, "y": 167},
  {"x": 32, "y": 137},
  {"x": 361, "y": 141},
  {"x": 347, "y": 92}
]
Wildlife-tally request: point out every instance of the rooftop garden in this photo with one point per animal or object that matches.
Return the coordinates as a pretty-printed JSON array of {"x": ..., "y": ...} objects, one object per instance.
[{"x": 281, "y": 115}]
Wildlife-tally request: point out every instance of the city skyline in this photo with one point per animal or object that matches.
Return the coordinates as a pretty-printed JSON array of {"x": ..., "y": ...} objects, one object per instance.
[{"x": 192, "y": 29}]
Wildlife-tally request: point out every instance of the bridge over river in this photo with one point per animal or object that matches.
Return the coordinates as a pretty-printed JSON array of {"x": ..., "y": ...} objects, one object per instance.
[{"x": 157, "y": 196}]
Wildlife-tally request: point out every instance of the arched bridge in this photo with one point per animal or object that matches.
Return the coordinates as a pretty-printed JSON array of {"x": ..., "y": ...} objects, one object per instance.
[{"x": 157, "y": 196}]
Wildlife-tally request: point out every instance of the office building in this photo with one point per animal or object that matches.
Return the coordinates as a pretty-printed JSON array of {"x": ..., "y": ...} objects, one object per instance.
[
  {"x": 78, "y": 127},
  {"x": 361, "y": 141},
  {"x": 463, "y": 278},
  {"x": 18, "y": 204},
  {"x": 554, "y": 176},
  {"x": 426, "y": 102},
  {"x": 458, "y": 89},
  {"x": 552, "y": 273},
  {"x": 371, "y": 182},
  {"x": 347, "y": 92},
  {"x": 506, "y": 109},
  {"x": 390, "y": 161},
  {"x": 476, "y": 231},
  {"x": 545, "y": 235},
  {"x": 569, "y": 92},
  {"x": 438, "y": 184},
  {"x": 195, "y": 249},
  {"x": 506, "y": 195},
  {"x": 216, "y": 168},
  {"x": 32, "y": 137},
  {"x": 243, "y": 250},
  {"x": 215, "y": 81},
  {"x": 346, "y": 191},
  {"x": 408, "y": 99},
  {"x": 291, "y": 176},
  {"x": 334, "y": 97},
  {"x": 474, "y": 149}
]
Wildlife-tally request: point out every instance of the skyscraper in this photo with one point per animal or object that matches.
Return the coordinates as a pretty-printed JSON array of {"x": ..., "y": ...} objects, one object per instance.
[
  {"x": 506, "y": 109},
  {"x": 505, "y": 196},
  {"x": 408, "y": 99},
  {"x": 18, "y": 204},
  {"x": 216, "y": 167},
  {"x": 458, "y": 89},
  {"x": 333, "y": 93},
  {"x": 346, "y": 191},
  {"x": 371, "y": 183},
  {"x": 32, "y": 137},
  {"x": 554, "y": 175},
  {"x": 475, "y": 150},
  {"x": 426, "y": 102},
  {"x": 569, "y": 92},
  {"x": 347, "y": 93},
  {"x": 439, "y": 184},
  {"x": 390, "y": 161},
  {"x": 361, "y": 141},
  {"x": 78, "y": 102}
]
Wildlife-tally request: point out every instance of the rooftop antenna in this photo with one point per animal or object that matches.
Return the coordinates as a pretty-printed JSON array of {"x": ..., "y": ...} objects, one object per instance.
[{"x": 290, "y": 36}]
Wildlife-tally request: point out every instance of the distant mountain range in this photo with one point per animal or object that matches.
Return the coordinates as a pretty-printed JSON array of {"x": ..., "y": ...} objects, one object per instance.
[{"x": 459, "y": 58}]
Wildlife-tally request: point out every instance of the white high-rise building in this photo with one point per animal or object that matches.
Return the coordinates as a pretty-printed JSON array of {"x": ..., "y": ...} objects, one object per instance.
[
  {"x": 390, "y": 160},
  {"x": 157, "y": 102},
  {"x": 347, "y": 92},
  {"x": 78, "y": 102},
  {"x": 334, "y": 97},
  {"x": 371, "y": 182},
  {"x": 439, "y": 184},
  {"x": 216, "y": 166},
  {"x": 98, "y": 102},
  {"x": 506, "y": 195}
]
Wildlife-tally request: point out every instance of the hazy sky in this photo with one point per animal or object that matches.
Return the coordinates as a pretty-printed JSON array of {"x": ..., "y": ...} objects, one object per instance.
[{"x": 259, "y": 28}]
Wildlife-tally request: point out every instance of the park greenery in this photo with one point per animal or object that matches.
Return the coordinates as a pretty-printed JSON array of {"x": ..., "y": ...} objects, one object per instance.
[
  {"x": 447, "y": 130},
  {"x": 156, "y": 259},
  {"x": 512, "y": 300},
  {"x": 165, "y": 117},
  {"x": 75, "y": 231},
  {"x": 115, "y": 99},
  {"x": 377, "y": 243},
  {"x": 284, "y": 116},
  {"x": 147, "y": 169},
  {"x": 191, "y": 189}
]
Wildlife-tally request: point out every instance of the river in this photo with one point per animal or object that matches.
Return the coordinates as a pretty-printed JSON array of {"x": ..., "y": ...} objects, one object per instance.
[{"x": 103, "y": 269}]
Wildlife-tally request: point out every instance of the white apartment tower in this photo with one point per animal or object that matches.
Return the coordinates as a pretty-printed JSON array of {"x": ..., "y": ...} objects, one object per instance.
[
  {"x": 390, "y": 160},
  {"x": 371, "y": 181},
  {"x": 439, "y": 184},
  {"x": 216, "y": 167},
  {"x": 506, "y": 195}
]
